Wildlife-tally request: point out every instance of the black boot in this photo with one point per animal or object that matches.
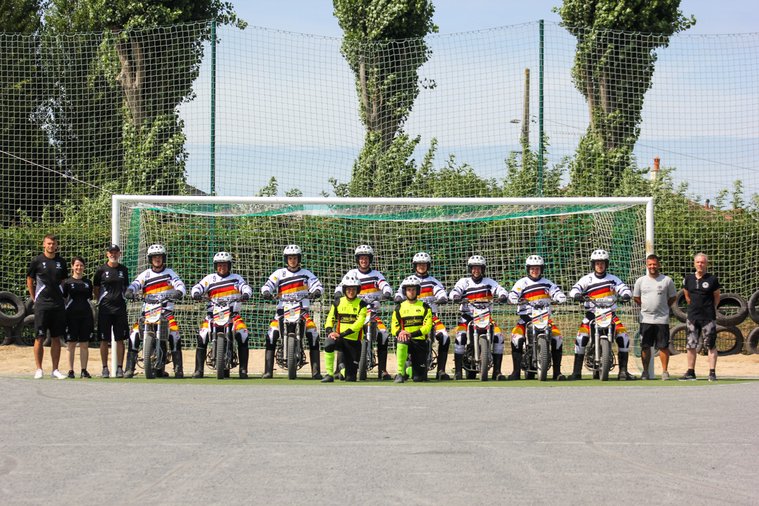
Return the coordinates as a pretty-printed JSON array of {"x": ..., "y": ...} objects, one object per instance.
[
  {"x": 577, "y": 369},
  {"x": 458, "y": 364},
  {"x": 556, "y": 360},
  {"x": 382, "y": 373},
  {"x": 268, "y": 365},
  {"x": 176, "y": 357},
  {"x": 516, "y": 363},
  {"x": 313, "y": 356},
  {"x": 497, "y": 361},
  {"x": 243, "y": 353},
  {"x": 200, "y": 361},
  {"x": 442, "y": 359},
  {"x": 623, "y": 374},
  {"x": 131, "y": 361}
]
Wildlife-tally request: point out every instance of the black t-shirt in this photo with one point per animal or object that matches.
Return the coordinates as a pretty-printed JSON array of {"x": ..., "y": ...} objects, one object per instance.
[
  {"x": 113, "y": 282},
  {"x": 48, "y": 273},
  {"x": 79, "y": 293},
  {"x": 701, "y": 293}
]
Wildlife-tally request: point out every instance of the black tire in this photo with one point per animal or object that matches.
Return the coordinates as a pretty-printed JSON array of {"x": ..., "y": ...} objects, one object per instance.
[
  {"x": 148, "y": 354},
  {"x": 544, "y": 358},
  {"x": 678, "y": 339},
  {"x": 678, "y": 307},
  {"x": 220, "y": 353},
  {"x": 293, "y": 354},
  {"x": 732, "y": 309},
  {"x": 730, "y": 345},
  {"x": 606, "y": 359},
  {"x": 29, "y": 307},
  {"x": 484, "y": 357},
  {"x": 752, "y": 341},
  {"x": 12, "y": 309},
  {"x": 364, "y": 359},
  {"x": 751, "y": 306}
]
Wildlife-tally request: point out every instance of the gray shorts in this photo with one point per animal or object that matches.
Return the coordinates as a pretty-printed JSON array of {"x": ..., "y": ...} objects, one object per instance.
[{"x": 701, "y": 328}]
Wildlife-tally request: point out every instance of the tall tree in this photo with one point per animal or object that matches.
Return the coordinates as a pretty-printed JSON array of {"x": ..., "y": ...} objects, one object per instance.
[
  {"x": 614, "y": 65},
  {"x": 146, "y": 56},
  {"x": 24, "y": 150},
  {"x": 384, "y": 46}
]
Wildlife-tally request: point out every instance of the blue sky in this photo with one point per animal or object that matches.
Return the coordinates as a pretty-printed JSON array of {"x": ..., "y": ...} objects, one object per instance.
[
  {"x": 315, "y": 16},
  {"x": 303, "y": 115}
]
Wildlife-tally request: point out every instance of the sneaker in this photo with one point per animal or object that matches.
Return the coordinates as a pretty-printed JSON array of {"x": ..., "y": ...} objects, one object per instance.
[
  {"x": 398, "y": 378},
  {"x": 84, "y": 374},
  {"x": 625, "y": 376},
  {"x": 243, "y": 374},
  {"x": 71, "y": 374},
  {"x": 644, "y": 376},
  {"x": 106, "y": 373},
  {"x": 317, "y": 376},
  {"x": 328, "y": 379},
  {"x": 119, "y": 372},
  {"x": 712, "y": 377},
  {"x": 57, "y": 375},
  {"x": 665, "y": 376},
  {"x": 442, "y": 376},
  {"x": 688, "y": 376},
  {"x": 384, "y": 376},
  {"x": 559, "y": 377},
  {"x": 38, "y": 374}
]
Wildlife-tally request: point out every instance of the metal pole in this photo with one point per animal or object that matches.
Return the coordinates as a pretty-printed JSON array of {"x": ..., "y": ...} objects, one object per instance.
[
  {"x": 540, "y": 110},
  {"x": 213, "y": 107}
]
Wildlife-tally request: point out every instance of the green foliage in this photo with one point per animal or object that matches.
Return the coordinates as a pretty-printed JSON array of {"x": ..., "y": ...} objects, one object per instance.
[
  {"x": 613, "y": 70},
  {"x": 384, "y": 47}
]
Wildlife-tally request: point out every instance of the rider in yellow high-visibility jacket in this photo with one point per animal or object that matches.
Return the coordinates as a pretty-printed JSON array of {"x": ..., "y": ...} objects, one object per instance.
[{"x": 411, "y": 325}]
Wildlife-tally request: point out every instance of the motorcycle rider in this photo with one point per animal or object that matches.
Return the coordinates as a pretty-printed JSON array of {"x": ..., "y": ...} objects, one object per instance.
[
  {"x": 411, "y": 324},
  {"x": 600, "y": 283},
  {"x": 372, "y": 281},
  {"x": 344, "y": 327},
  {"x": 219, "y": 284},
  {"x": 433, "y": 294},
  {"x": 533, "y": 288},
  {"x": 476, "y": 288},
  {"x": 292, "y": 280},
  {"x": 158, "y": 279}
]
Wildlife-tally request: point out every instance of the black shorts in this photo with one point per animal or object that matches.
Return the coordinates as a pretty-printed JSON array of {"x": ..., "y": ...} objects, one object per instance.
[
  {"x": 116, "y": 323},
  {"x": 654, "y": 334},
  {"x": 79, "y": 327},
  {"x": 53, "y": 320}
]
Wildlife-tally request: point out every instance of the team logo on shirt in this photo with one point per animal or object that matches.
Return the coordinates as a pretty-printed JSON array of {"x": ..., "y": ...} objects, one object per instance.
[{"x": 705, "y": 284}]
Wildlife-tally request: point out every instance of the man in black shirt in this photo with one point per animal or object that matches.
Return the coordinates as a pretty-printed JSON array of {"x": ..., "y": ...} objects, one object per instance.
[
  {"x": 110, "y": 284},
  {"x": 44, "y": 280},
  {"x": 702, "y": 291}
]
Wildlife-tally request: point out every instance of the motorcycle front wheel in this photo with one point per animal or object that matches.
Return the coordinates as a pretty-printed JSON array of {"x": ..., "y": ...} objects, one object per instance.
[
  {"x": 544, "y": 358},
  {"x": 148, "y": 354},
  {"x": 484, "y": 357},
  {"x": 293, "y": 354},
  {"x": 605, "y": 359},
  {"x": 221, "y": 355}
]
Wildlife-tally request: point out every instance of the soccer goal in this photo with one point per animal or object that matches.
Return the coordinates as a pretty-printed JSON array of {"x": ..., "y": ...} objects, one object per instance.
[{"x": 504, "y": 230}]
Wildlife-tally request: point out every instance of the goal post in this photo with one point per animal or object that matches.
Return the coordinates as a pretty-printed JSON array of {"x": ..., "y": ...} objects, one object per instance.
[{"x": 504, "y": 230}]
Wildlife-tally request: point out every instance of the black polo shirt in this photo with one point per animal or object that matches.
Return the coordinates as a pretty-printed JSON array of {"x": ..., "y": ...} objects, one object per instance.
[
  {"x": 48, "y": 274},
  {"x": 701, "y": 293}
]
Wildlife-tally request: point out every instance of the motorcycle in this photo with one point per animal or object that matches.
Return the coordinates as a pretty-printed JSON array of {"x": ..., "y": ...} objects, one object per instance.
[
  {"x": 537, "y": 345},
  {"x": 222, "y": 351},
  {"x": 598, "y": 354},
  {"x": 478, "y": 357},
  {"x": 155, "y": 334},
  {"x": 289, "y": 353},
  {"x": 368, "y": 358}
]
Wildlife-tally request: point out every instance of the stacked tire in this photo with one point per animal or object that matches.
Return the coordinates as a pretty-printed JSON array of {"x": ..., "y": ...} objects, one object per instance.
[
  {"x": 752, "y": 340},
  {"x": 13, "y": 314},
  {"x": 732, "y": 310}
]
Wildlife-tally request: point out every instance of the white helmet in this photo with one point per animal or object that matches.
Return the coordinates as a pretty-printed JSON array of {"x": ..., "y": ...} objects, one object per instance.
[
  {"x": 351, "y": 280},
  {"x": 364, "y": 249},
  {"x": 411, "y": 281},
  {"x": 476, "y": 260},
  {"x": 221, "y": 257},
  {"x": 421, "y": 258},
  {"x": 599, "y": 254},
  {"x": 156, "y": 249},
  {"x": 534, "y": 261},
  {"x": 292, "y": 249}
]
